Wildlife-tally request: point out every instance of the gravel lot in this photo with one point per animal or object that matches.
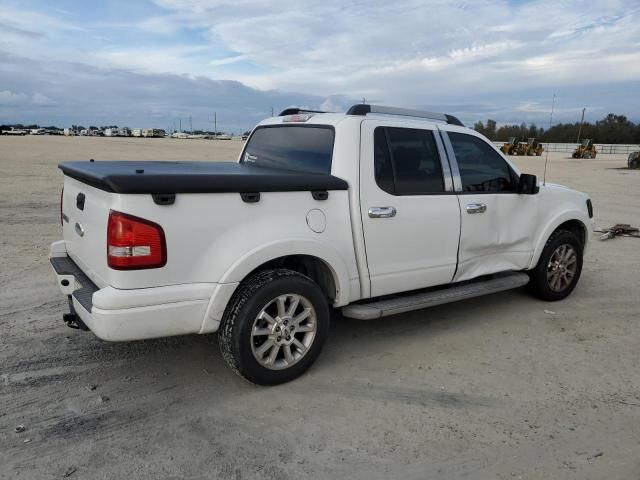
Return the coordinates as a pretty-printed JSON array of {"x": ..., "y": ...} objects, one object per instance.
[{"x": 492, "y": 388}]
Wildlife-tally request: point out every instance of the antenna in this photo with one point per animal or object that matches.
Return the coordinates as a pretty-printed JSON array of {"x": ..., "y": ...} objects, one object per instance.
[{"x": 546, "y": 160}]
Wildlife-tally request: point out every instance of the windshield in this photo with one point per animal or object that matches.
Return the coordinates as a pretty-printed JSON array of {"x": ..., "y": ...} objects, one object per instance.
[{"x": 302, "y": 148}]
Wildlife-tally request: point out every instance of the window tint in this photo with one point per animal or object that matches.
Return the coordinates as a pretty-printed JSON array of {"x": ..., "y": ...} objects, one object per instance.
[
  {"x": 306, "y": 149},
  {"x": 481, "y": 168},
  {"x": 406, "y": 161},
  {"x": 382, "y": 162}
]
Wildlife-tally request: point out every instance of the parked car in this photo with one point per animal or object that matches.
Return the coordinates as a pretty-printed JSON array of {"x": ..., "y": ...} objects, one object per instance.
[
  {"x": 633, "y": 161},
  {"x": 14, "y": 131},
  {"x": 374, "y": 212}
]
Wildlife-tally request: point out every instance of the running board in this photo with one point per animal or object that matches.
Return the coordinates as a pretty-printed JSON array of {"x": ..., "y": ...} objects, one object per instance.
[{"x": 393, "y": 306}]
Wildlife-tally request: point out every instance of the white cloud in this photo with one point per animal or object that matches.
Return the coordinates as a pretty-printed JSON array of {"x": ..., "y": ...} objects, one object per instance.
[
  {"x": 41, "y": 100},
  {"x": 327, "y": 47},
  {"x": 227, "y": 60},
  {"x": 7, "y": 97},
  {"x": 481, "y": 57},
  {"x": 332, "y": 104}
]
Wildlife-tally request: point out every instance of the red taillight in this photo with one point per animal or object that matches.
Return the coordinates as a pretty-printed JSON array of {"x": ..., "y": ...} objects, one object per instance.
[{"x": 134, "y": 243}]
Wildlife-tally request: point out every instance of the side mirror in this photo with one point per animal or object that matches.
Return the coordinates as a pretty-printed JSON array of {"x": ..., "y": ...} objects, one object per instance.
[{"x": 528, "y": 184}]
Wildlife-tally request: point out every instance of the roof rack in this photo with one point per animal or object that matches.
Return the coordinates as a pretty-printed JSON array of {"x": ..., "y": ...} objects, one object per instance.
[
  {"x": 364, "y": 109},
  {"x": 295, "y": 111}
]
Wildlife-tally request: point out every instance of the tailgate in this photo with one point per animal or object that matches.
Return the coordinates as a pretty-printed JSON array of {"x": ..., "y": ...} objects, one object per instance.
[{"x": 85, "y": 213}]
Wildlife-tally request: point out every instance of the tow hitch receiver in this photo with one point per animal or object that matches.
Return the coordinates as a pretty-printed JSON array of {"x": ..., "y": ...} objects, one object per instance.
[{"x": 73, "y": 320}]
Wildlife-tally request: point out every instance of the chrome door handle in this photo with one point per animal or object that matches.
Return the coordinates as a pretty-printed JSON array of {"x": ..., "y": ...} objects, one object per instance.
[
  {"x": 476, "y": 208},
  {"x": 382, "y": 212},
  {"x": 79, "y": 229}
]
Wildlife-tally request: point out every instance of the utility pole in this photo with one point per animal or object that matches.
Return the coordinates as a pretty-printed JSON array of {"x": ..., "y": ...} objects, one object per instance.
[
  {"x": 190, "y": 125},
  {"x": 581, "y": 122},
  {"x": 215, "y": 124},
  {"x": 272, "y": 111},
  {"x": 180, "y": 125}
]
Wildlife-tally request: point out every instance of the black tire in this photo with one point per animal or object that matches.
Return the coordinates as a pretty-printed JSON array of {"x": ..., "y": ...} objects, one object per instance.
[
  {"x": 539, "y": 284},
  {"x": 635, "y": 163},
  {"x": 247, "y": 302}
]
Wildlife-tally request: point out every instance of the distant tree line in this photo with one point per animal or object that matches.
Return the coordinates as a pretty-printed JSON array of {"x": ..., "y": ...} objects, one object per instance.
[{"x": 611, "y": 129}]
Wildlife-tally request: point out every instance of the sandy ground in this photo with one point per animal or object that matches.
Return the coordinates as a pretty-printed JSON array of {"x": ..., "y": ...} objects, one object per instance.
[{"x": 489, "y": 388}]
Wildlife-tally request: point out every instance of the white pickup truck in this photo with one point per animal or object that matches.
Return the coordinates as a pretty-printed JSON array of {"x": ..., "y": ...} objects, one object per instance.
[{"x": 375, "y": 212}]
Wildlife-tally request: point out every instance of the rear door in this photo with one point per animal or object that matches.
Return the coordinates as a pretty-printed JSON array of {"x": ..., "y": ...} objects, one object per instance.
[
  {"x": 410, "y": 214},
  {"x": 497, "y": 223}
]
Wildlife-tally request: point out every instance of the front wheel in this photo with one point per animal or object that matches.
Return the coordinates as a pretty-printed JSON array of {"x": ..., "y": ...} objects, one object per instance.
[
  {"x": 274, "y": 326},
  {"x": 559, "y": 268}
]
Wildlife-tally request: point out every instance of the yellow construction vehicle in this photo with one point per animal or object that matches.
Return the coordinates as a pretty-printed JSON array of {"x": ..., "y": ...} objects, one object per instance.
[
  {"x": 585, "y": 150},
  {"x": 522, "y": 148},
  {"x": 534, "y": 148},
  {"x": 510, "y": 147}
]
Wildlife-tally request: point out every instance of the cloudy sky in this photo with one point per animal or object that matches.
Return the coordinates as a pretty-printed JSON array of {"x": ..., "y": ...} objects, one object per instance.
[{"x": 152, "y": 63}]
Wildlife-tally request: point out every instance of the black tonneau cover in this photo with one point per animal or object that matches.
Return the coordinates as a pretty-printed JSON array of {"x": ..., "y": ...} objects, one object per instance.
[{"x": 194, "y": 177}]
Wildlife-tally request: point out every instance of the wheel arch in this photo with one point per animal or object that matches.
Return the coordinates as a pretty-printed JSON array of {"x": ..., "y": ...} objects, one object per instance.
[
  {"x": 316, "y": 259},
  {"x": 319, "y": 261},
  {"x": 308, "y": 265},
  {"x": 569, "y": 221}
]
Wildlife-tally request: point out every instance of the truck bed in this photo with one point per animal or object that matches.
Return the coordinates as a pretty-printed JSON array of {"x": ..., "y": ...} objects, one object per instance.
[{"x": 194, "y": 177}]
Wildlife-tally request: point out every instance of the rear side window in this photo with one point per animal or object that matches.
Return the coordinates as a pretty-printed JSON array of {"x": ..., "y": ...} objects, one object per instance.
[
  {"x": 406, "y": 161},
  {"x": 481, "y": 168},
  {"x": 300, "y": 148}
]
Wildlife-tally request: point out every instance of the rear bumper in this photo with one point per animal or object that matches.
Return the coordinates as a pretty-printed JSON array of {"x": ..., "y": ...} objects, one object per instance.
[{"x": 119, "y": 315}]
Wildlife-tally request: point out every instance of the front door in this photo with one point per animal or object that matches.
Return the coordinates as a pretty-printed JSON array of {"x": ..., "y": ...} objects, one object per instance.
[
  {"x": 498, "y": 224},
  {"x": 410, "y": 214}
]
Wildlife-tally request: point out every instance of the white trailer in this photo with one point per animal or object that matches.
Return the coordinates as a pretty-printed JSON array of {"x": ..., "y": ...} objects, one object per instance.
[{"x": 153, "y": 133}]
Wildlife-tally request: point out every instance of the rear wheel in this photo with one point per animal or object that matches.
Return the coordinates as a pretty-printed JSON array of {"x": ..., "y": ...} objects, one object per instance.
[
  {"x": 274, "y": 326},
  {"x": 559, "y": 268},
  {"x": 635, "y": 163}
]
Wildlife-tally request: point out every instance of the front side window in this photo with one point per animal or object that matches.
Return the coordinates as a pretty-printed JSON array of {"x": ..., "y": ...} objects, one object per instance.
[
  {"x": 406, "y": 161},
  {"x": 300, "y": 148},
  {"x": 481, "y": 168}
]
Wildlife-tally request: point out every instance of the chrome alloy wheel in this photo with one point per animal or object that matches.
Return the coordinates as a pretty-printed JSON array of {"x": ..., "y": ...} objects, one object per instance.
[
  {"x": 283, "y": 331},
  {"x": 562, "y": 267}
]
